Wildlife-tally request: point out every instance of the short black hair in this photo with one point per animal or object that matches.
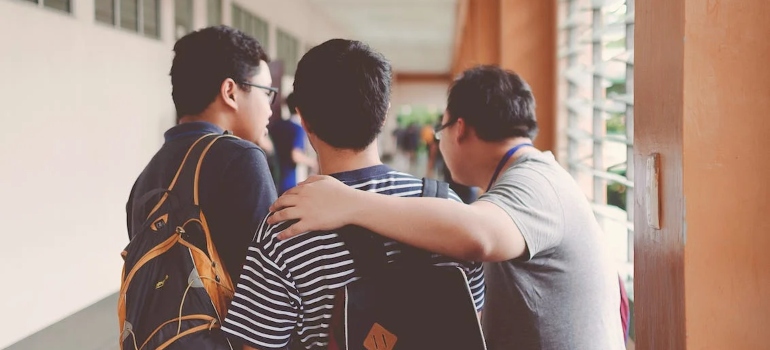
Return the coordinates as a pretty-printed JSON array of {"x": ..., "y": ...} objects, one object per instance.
[
  {"x": 204, "y": 59},
  {"x": 343, "y": 91},
  {"x": 497, "y": 103},
  {"x": 291, "y": 103}
]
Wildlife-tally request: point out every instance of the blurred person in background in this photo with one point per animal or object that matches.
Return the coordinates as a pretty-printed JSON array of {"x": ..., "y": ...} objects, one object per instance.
[{"x": 290, "y": 140}]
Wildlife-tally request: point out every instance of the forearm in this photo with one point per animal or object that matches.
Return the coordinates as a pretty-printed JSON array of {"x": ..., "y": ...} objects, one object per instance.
[{"x": 439, "y": 225}]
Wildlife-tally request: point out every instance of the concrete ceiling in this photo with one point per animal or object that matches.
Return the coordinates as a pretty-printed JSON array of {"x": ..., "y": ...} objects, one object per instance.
[{"x": 417, "y": 36}]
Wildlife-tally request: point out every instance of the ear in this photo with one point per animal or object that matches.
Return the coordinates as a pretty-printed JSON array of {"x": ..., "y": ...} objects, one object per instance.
[
  {"x": 463, "y": 130},
  {"x": 228, "y": 93}
]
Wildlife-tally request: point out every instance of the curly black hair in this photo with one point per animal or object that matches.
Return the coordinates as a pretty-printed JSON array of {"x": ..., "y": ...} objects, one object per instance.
[
  {"x": 342, "y": 89},
  {"x": 204, "y": 59}
]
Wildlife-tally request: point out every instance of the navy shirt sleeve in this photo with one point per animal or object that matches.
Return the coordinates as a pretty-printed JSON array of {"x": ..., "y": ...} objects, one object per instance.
[{"x": 236, "y": 210}]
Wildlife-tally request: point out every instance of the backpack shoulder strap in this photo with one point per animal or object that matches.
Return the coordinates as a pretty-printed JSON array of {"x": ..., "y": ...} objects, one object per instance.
[
  {"x": 434, "y": 188},
  {"x": 367, "y": 249},
  {"x": 185, "y": 183},
  {"x": 431, "y": 188},
  {"x": 184, "y": 174},
  {"x": 209, "y": 142}
]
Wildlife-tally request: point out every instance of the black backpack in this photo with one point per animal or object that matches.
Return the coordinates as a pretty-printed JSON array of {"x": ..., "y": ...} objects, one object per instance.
[
  {"x": 405, "y": 305},
  {"x": 174, "y": 289}
]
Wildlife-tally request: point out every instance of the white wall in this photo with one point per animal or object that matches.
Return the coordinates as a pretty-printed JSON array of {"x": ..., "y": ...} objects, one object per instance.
[{"x": 84, "y": 106}]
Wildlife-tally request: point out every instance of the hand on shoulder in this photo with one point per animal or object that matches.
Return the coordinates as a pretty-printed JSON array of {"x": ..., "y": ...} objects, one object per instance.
[{"x": 320, "y": 203}]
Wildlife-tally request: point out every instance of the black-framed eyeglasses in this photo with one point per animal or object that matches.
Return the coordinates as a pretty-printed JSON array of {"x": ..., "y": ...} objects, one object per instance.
[
  {"x": 270, "y": 91},
  {"x": 437, "y": 131}
]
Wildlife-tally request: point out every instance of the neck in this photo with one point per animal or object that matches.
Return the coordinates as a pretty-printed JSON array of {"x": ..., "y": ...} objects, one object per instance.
[
  {"x": 332, "y": 160},
  {"x": 492, "y": 154},
  {"x": 214, "y": 118}
]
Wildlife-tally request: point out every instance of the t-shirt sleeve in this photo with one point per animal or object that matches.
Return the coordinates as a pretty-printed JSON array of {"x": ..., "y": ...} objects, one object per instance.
[
  {"x": 265, "y": 309},
  {"x": 533, "y": 204}
]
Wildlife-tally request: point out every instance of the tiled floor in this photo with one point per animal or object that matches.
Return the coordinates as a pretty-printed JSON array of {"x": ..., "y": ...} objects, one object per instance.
[{"x": 93, "y": 328}]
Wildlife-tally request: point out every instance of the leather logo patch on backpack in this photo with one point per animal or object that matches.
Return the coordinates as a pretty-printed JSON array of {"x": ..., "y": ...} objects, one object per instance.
[{"x": 380, "y": 338}]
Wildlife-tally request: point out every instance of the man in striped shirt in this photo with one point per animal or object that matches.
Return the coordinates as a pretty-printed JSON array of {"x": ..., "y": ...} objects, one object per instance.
[{"x": 286, "y": 291}]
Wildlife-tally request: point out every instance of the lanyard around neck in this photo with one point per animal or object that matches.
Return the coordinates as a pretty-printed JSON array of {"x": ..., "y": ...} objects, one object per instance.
[{"x": 505, "y": 159}]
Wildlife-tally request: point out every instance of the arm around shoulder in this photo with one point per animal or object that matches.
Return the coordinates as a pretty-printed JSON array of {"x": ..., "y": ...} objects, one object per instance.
[{"x": 478, "y": 232}]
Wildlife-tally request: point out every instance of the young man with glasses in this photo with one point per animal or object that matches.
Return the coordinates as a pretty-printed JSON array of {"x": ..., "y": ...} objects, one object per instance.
[
  {"x": 550, "y": 283},
  {"x": 221, "y": 84}
]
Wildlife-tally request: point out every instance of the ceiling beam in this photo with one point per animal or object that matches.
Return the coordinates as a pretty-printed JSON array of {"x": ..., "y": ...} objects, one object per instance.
[{"x": 405, "y": 77}]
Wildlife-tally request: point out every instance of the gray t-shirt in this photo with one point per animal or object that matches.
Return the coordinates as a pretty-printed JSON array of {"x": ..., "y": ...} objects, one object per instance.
[{"x": 564, "y": 292}]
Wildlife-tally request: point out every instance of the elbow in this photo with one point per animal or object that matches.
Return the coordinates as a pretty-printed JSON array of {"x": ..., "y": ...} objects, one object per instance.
[
  {"x": 477, "y": 247},
  {"x": 479, "y": 251},
  {"x": 472, "y": 254}
]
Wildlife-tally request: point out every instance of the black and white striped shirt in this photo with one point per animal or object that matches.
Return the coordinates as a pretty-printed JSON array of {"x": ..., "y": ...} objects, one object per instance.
[{"x": 287, "y": 288}]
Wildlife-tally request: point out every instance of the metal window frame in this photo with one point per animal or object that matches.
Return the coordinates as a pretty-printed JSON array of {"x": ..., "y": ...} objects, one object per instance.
[
  {"x": 287, "y": 49},
  {"x": 217, "y": 5},
  {"x": 258, "y": 27},
  {"x": 41, "y": 4},
  {"x": 188, "y": 17},
  {"x": 577, "y": 110},
  {"x": 140, "y": 19},
  {"x": 139, "y": 16},
  {"x": 158, "y": 16}
]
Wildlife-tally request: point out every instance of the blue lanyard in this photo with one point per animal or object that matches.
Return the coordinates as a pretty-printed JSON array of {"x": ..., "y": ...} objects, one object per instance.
[{"x": 505, "y": 159}]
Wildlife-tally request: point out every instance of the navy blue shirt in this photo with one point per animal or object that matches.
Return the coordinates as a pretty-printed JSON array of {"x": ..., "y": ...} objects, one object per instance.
[{"x": 236, "y": 188}]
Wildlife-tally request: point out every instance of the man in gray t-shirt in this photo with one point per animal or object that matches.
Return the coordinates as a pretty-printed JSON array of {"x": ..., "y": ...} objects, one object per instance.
[
  {"x": 550, "y": 284},
  {"x": 562, "y": 293}
]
